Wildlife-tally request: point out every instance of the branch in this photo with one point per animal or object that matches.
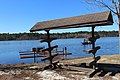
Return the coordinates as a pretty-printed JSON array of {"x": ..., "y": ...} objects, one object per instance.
[
  {"x": 105, "y": 5},
  {"x": 102, "y": 3},
  {"x": 116, "y": 7}
]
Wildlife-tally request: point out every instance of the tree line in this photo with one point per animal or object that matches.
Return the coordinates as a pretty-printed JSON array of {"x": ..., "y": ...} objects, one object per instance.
[{"x": 37, "y": 36}]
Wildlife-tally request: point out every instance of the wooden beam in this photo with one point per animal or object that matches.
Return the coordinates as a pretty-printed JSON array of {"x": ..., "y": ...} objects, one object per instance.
[
  {"x": 77, "y": 68},
  {"x": 92, "y": 50},
  {"x": 108, "y": 65},
  {"x": 24, "y": 57},
  {"x": 95, "y": 50},
  {"x": 93, "y": 72},
  {"x": 27, "y": 54},
  {"x": 93, "y": 35},
  {"x": 93, "y": 62},
  {"x": 49, "y": 44},
  {"x": 88, "y": 51}
]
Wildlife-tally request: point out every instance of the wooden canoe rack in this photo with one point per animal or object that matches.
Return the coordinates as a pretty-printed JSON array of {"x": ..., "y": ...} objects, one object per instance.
[
  {"x": 49, "y": 49},
  {"x": 31, "y": 54},
  {"x": 94, "y": 49},
  {"x": 98, "y": 19},
  {"x": 23, "y": 57}
]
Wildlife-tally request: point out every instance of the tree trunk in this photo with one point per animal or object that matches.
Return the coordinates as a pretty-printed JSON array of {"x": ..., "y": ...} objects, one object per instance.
[{"x": 119, "y": 23}]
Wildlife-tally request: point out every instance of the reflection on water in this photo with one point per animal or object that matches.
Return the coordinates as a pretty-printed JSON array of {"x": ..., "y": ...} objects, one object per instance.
[{"x": 9, "y": 50}]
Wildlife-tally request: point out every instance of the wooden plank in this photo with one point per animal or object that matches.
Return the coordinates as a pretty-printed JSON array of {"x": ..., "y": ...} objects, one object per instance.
[
  {"x": 77, "y": 68},
  {"x": 33, "y": 50},
  {"x": 88, "y": 51},
  {"x": 93, "y": 62},
  {"x": 50, "y": 57},
  {"x": 25, "y": 51},
  {"x": 27, "y": 54},
  {"x": 48, "y": 40},
  {"x": 93, "y": 72},
  {"x": 108, "y": 65},
  {"x": 49, "y": 49},
  {"x": 55, "y": 63},
  {"x": 110, "y": 69},
  {"x": 98, "y": 19},
  {"x": 24, "y": 57},
  {"x": 95, "y": 49},
  {"x": 92, "y": 50}
]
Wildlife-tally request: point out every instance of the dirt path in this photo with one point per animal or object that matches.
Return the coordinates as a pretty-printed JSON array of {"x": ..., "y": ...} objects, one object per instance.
[{"x": 35, "y": 72}]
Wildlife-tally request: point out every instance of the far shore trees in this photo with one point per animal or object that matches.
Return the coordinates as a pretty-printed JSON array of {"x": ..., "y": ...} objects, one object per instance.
[{"x": 37, "y": 36}]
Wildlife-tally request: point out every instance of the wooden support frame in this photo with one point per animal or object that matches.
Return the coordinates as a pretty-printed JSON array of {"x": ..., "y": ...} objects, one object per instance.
[
  {"x": 93, "y": 43},
  {"x": 49, "y": 45},
  {"x": 99, "y": 19}
]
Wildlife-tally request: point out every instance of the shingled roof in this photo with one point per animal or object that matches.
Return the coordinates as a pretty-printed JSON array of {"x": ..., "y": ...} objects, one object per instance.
[{"x": 95, "y": 19}]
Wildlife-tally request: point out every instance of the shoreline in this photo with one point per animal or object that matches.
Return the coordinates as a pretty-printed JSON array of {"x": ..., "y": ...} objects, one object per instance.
[
  {"x": 35, "y": 71},
  {"x": 74, "y": 58}
]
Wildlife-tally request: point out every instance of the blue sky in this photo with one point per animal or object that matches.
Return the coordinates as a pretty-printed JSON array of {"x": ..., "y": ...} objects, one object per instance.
[{"x": 20, "y": 15}]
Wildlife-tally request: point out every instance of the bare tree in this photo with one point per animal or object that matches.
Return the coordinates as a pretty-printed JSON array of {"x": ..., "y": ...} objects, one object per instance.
[{"x": 112, "y": 5}]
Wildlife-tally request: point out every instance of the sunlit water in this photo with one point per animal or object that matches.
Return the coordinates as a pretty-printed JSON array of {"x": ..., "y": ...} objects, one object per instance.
[{"x": 9, "y": 50}]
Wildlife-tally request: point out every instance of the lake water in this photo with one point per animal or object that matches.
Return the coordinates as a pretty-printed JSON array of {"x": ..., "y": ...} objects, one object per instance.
[{"x": 9, "y": 50}]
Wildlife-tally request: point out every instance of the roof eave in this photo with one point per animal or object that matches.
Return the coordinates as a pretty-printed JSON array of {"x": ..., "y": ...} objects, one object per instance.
[
  {"x": 107, "y": 21},
  {"x": 103, "y": 23}
]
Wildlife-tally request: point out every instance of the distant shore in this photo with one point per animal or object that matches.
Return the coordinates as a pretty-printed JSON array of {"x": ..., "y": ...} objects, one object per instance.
[{"x": 37, "y": 36}]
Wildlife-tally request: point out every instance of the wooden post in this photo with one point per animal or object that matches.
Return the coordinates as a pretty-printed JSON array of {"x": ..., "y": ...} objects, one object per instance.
[
  {"x": 34, "y": 50},
  {"x": 34, "y": 57},
  {"x": 49, "y": 45},
  {"x": 93, "y": 35},
  {"x": 65, "y": 52}
]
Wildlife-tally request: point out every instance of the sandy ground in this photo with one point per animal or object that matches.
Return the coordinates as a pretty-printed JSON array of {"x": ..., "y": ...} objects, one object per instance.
[{"x": 35, "y": 72}]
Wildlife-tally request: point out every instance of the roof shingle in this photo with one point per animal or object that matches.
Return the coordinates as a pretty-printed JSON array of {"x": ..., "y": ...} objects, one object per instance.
[{"x": 96, "y": 19}]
